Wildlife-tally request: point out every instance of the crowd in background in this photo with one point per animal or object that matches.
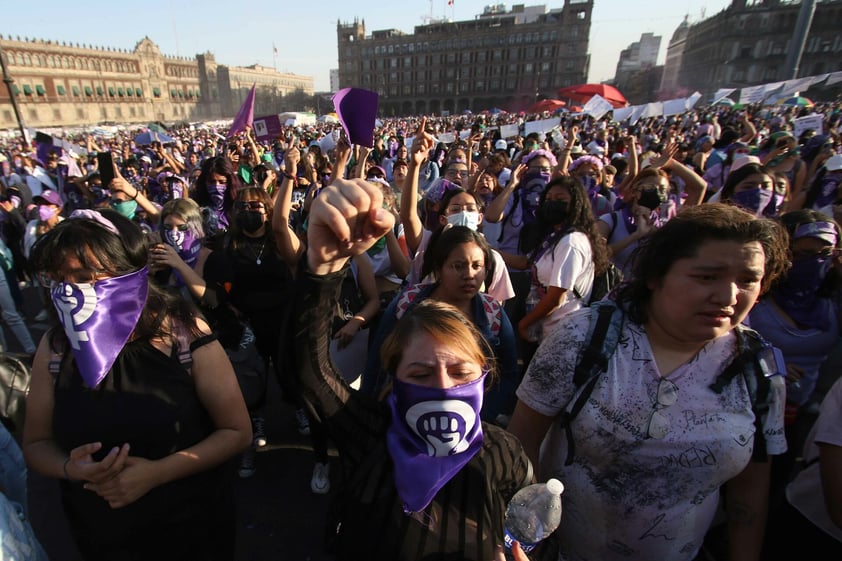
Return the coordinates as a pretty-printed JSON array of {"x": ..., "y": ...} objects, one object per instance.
[{"x": 518, "y": 233}]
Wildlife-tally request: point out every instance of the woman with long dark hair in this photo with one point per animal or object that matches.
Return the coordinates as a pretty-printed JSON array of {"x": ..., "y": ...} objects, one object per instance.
[
  {"x": 133, "y": 405},
  {"x": 215, "y": 190},
  {"x": 565, "y": 251}
]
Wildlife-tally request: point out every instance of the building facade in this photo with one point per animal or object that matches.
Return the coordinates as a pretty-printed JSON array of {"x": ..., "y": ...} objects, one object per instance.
[
  {"x": 670, "y": 87},
  {"x": 506, "y": 59},
  {"x": 71, "y": 85},
  {"x": 637, "y": 56},
  {"x": 747, "y": 44}
]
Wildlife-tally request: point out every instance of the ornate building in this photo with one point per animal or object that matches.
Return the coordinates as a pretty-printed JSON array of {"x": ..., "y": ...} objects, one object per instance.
[
  {"x": 66, "y": 85},
  {"x": 747, "y": 44},
  {"x": 500, "y": 59}
]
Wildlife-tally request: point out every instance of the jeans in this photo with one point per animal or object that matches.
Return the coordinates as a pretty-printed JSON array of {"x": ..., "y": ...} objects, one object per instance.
[{"x": 13, "y": 320}]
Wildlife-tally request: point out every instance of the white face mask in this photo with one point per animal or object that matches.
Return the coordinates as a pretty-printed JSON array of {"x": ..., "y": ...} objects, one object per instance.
[{"x": 464, "y": 218}]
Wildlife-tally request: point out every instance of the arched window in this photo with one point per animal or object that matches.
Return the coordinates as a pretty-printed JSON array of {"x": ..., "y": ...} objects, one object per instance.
[{"x": 27, "y": 60}]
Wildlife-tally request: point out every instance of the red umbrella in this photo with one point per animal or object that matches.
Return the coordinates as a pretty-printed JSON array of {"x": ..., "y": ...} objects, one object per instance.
[
  {"x": 546, "y": 105},
  {"x": 583, "y": 92}
]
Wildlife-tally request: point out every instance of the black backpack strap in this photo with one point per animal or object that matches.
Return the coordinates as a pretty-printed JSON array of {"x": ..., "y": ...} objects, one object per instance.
[
  {"x": 603, "y": 336},
  {"x": 747, "y": 364}
]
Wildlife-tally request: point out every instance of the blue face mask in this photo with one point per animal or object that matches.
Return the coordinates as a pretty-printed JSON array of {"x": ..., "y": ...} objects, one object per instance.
[
  {"x": 464, "y": 218},
  {"x": 126, "y": 208}
]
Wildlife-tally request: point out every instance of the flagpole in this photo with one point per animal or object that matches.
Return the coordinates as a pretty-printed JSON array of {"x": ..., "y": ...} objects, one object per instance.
[{"x": 274, "y": 57}]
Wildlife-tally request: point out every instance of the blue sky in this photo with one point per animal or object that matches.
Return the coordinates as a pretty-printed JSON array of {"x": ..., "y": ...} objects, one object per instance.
[{"x": 242, "y": 33}]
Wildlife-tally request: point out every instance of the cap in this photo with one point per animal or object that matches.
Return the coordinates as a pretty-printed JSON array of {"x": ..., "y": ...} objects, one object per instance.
[
  {"x": 742, "y": 160},
  {"x": 376, "y": 168},
  {"x": 834, "y": 163},
  {"x": 501, "y": 145},
  {"x": 47, "y": 197}
]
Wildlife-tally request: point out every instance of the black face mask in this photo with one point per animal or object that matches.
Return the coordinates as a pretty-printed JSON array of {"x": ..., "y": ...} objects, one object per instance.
[
  {"x": 554, "y": 212},
  {"x": 250, "y": 220},
  {"x": 650, "y": 198}
]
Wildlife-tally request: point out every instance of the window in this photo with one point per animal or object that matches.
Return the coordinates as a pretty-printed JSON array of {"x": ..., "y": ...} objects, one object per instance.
[
  {"x": 75, "y": 90},
  {"x": 120, "y": 91},
  {"x": 39, "y": 89},
  {"x": 172, "y": 92},
  {"x": 60, "y": 89},
  {"x": 57, "y": 114},
  {"x": 89, "y": 91},
  {"x": 139, "y": 93},
  {"x": 7, "y": 116},
  {"x": 27, "y": 89},
  {"x": 80, "y": 113},
  {"x": 16, "y": 89}
]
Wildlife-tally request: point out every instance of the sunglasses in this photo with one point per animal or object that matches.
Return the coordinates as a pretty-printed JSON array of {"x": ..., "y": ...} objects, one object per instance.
[
  {"x": 249, "y": 205},
  {"x": 658, "y": 425}
]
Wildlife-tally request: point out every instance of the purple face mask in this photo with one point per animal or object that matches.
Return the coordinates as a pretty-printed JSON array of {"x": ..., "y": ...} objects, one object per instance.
[
  {"x": 796, "y": 293},
  {"x": 186, "y": 243},
  {"x": 217, "y": 194},
  {"x": 774, "y": 206},
  {"x": 98, "y": 319},
  {"x": 45, "y": 212},
  {"x": 754, "y": 200},
  {"x": 433, "y": 434}
]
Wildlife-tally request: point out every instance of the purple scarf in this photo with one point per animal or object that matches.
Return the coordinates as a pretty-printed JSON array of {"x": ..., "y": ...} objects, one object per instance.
[
  {"x": 98, "y": 319},
  {"x": 433, "y": 434}
]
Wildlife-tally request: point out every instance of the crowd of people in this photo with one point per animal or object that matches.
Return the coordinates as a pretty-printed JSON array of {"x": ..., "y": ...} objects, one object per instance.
[{"x": 640, "y": 311}]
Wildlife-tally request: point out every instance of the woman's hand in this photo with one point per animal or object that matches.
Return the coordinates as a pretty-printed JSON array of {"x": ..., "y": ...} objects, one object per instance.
[
  {"x": 81, "y": 465},
  {"x": 345, "y": 220},
  {"x": 517, "y": 176},
  {"x": 346, "y": 334},
  {"x": 164, "y": 255},
  {"x": 516, "y": 551},
  {"x": 422, "y": 144},
  {"x": 135, "y": 480}
]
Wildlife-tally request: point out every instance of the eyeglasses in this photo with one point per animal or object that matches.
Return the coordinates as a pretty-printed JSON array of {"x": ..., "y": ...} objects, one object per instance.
[
  {"x": 658, "y": 425},
  {"x": 542, "y": 169},
  {"x": 456, "y": 172},
  {"x": 180, "y": 227},
  {"x": 249, "y": 205},
  {"x": 461, "y": 267},
  {"x": 453, "y": 209},
  {"x": 376, "y": 174},
  {"x": 824, "y": 253}
]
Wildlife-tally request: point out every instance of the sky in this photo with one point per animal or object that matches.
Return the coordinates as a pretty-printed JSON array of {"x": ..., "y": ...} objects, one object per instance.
[{"x": 243, "y": 33}]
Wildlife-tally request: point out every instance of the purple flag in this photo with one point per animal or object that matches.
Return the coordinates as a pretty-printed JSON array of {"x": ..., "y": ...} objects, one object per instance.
[
  {"x": 245, "y": 116},
  {"x": 98, "y": 319},
  {"x": 357, "y": 111}
]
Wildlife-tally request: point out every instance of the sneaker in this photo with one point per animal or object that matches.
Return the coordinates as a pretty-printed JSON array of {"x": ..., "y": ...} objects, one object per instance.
[
  {"x": 42, "y": 316},
  {"x": 259, "y": 431},
  {"x": 247, "y": 467},
  {"x": 320, "y": 483},
  {"x": 303, "y": 422}
]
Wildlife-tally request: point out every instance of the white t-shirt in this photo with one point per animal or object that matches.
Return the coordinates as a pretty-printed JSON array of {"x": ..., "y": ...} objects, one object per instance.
[
  {"x": 500, "y": 287},
  {"x": 628, "y": 496},
  {"x": 805, "y": 492},
  {"x": 568, "y": 266}
]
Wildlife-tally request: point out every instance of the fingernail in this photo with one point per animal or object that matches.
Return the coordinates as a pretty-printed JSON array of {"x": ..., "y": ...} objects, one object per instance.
[{"x": 380, "y": 215}]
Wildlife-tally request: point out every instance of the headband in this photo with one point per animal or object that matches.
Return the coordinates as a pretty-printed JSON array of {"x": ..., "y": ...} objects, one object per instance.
[
  {"x": 96, "y": 217},
  {"x": 825, "y": 231}
]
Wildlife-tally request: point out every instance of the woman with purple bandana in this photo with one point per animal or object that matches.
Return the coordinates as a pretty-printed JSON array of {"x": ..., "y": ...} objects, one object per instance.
[
  {"x": 425, "y": 477},
  {"x": 800, "y": 316},
  {"x": 133, "y": 405},
  {"x": 751, "y": 187},
  {"x": 216, "y": 189},
  {"x": 182, "y": 256}
]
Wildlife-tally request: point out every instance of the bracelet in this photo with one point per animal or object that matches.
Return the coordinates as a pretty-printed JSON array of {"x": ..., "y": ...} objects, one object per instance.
[
  {"x": 360, "y": 318},
  {"x": 136, "y": 193},
  {"x": 64, "y": 468},
  {"x": 289, "y": 176}
]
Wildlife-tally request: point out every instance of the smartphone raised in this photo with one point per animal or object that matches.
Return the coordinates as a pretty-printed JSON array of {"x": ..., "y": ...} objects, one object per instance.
[{"x": 105, "y": 167}]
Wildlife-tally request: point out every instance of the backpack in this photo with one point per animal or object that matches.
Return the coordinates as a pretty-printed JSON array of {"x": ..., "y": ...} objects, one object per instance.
[
  {"x": 752, "y": 363},
  {"x": 603, "y": 284},
  {"x": 14, "y": 387}
]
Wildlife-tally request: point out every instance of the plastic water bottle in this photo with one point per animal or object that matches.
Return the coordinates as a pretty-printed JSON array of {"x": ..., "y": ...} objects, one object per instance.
[
  {"x": 533, "y": 514},
  {"x": 532, "y": 299}
]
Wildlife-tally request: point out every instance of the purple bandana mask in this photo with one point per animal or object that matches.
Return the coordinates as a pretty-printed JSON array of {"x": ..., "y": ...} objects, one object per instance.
[
  {"x": 433, "y": 434},
  {"x": 754, "y": 200},
  {"x": 187, "y": 244},
  {"x": 98, "y": 319}
]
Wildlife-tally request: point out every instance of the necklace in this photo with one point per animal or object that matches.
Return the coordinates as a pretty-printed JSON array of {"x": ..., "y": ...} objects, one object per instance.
[{"x": 257, "y": 254}]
